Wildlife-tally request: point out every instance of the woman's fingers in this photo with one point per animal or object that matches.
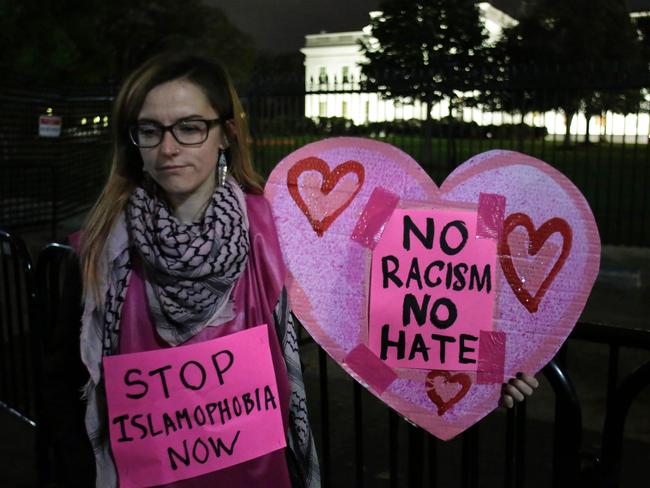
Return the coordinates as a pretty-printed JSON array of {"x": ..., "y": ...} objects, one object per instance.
[
  {"x": 521, "y": 386},
  {"x": 506, "y": 401},
  {"x": 513, "y": 392},
  {"x": 529, "y": 380},
  {"x": 517, "y": 389}
]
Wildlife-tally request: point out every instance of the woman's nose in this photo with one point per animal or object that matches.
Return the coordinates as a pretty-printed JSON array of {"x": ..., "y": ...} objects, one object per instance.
[{"x": 169, "y": 145}]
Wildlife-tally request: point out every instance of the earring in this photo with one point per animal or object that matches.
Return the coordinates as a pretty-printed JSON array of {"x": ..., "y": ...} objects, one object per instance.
[{"x": 222, "y": 167}]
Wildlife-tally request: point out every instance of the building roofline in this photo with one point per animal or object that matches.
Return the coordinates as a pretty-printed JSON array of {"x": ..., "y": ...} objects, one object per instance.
[{"x": 337, "y": 33}]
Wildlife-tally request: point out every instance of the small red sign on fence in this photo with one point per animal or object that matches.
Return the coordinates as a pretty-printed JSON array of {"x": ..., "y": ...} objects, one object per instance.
[{"x": 49, "y": 125}]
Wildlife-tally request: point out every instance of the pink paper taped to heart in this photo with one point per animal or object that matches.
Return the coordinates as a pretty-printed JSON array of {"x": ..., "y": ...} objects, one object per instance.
[
  {"x": 538, "y": 236},
  {"x": 431, "y": 290},
  {"x": 180, "y": 413}
]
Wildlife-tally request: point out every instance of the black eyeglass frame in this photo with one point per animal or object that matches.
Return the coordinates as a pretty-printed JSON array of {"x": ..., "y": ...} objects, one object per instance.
[{"x": 209, "y": 123}]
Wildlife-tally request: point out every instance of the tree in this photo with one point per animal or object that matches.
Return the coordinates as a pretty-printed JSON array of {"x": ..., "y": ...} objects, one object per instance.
[
  {"x": 571, "y": 56},
  {"x": 65, "y": 41},
  {"x": 642, "y": 25},
  {"x": 37, "y": 44},
  {"x": 161, "y": 24},
  {"x": 426, "y": 50}
]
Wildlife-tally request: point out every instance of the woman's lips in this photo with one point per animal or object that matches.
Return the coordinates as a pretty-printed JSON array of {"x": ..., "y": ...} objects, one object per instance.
[{"x": 172, "y": 168}]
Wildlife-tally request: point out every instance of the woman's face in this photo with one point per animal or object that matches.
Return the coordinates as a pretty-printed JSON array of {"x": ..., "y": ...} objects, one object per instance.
[{"x": 181, "y": 171}]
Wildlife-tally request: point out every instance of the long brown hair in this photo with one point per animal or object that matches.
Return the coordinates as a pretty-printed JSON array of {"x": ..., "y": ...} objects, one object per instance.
[{"x": 126, "y": 168}]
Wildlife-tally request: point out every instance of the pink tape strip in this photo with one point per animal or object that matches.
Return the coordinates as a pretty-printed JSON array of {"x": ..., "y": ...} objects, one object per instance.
[
  {"x": 370, "y": 368},
  {"x": 372, "y": 220},
  {"x": 491, "y": 209},
  {"x": 491, "y": 357}
]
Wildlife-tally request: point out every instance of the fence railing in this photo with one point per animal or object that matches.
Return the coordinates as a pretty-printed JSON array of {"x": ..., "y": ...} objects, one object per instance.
[
  {"x": 17, "y": 356},
  {"x": 361, "y": 442},
  {"x": 511, "y": 450},
  {"x": 46, "y": 180},
  {"x": 611, "y": 167}
]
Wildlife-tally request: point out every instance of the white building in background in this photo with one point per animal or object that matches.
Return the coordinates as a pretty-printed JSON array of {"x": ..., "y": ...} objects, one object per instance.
[{"x": 332, "y": 64}]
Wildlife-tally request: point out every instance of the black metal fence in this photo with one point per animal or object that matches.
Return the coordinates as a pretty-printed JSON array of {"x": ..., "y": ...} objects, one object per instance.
[
  {"x": 611, "y": 166},
  {"x": 43, "y": 181},
  {"x": 17, "y": 359},
  {"x": 515, "y": 449},
  {"x": 360, "y": 441}
]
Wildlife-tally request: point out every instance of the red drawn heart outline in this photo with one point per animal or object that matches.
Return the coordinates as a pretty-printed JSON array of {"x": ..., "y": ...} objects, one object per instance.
[
  {"x": 460, "y": 378},
  {"x": 330, "y": 180},
  {"x": 537, "y": 238}
]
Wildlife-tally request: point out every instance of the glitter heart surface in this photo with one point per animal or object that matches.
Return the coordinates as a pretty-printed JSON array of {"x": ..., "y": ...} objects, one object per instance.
[
  {"x": 548, "y": 255},
  {"x": 323, "y": 203}
]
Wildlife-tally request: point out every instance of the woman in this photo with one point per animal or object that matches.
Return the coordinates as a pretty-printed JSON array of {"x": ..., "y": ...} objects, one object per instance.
[{"x": 181, "y": 248}]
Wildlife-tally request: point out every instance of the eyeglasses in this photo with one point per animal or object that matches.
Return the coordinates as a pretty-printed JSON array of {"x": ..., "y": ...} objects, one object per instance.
[{"x": 188, "y": 132}]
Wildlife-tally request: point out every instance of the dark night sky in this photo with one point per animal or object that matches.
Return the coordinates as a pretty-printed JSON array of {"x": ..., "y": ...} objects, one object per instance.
[{"x": 279, "y": 26}]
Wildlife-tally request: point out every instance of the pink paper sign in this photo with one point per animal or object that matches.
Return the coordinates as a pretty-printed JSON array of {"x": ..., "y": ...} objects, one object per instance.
[
  {"x": 183, "y": 412},
  {"x": 431, "y": 290},
  {"x": 331, "y": 202}
]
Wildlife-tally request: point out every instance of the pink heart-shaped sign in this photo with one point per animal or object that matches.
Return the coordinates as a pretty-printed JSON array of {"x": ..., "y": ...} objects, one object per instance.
[{"x": 334, "y": 203}]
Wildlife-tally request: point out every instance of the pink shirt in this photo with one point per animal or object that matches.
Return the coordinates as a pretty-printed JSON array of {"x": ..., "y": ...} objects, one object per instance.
[{"x": 255, "y": 296}]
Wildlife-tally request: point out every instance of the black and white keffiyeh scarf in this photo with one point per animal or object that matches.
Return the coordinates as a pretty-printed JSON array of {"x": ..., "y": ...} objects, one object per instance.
[{"x": 190, "y": 269}]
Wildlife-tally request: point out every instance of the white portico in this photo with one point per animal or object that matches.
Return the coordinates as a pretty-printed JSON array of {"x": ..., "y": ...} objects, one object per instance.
[
  {"x": 332, "y": 66},
  {"x": 332, "y": 63}
]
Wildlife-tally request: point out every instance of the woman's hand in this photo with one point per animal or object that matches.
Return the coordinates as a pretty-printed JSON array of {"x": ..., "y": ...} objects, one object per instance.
[{"x": 517, "y": 389}]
